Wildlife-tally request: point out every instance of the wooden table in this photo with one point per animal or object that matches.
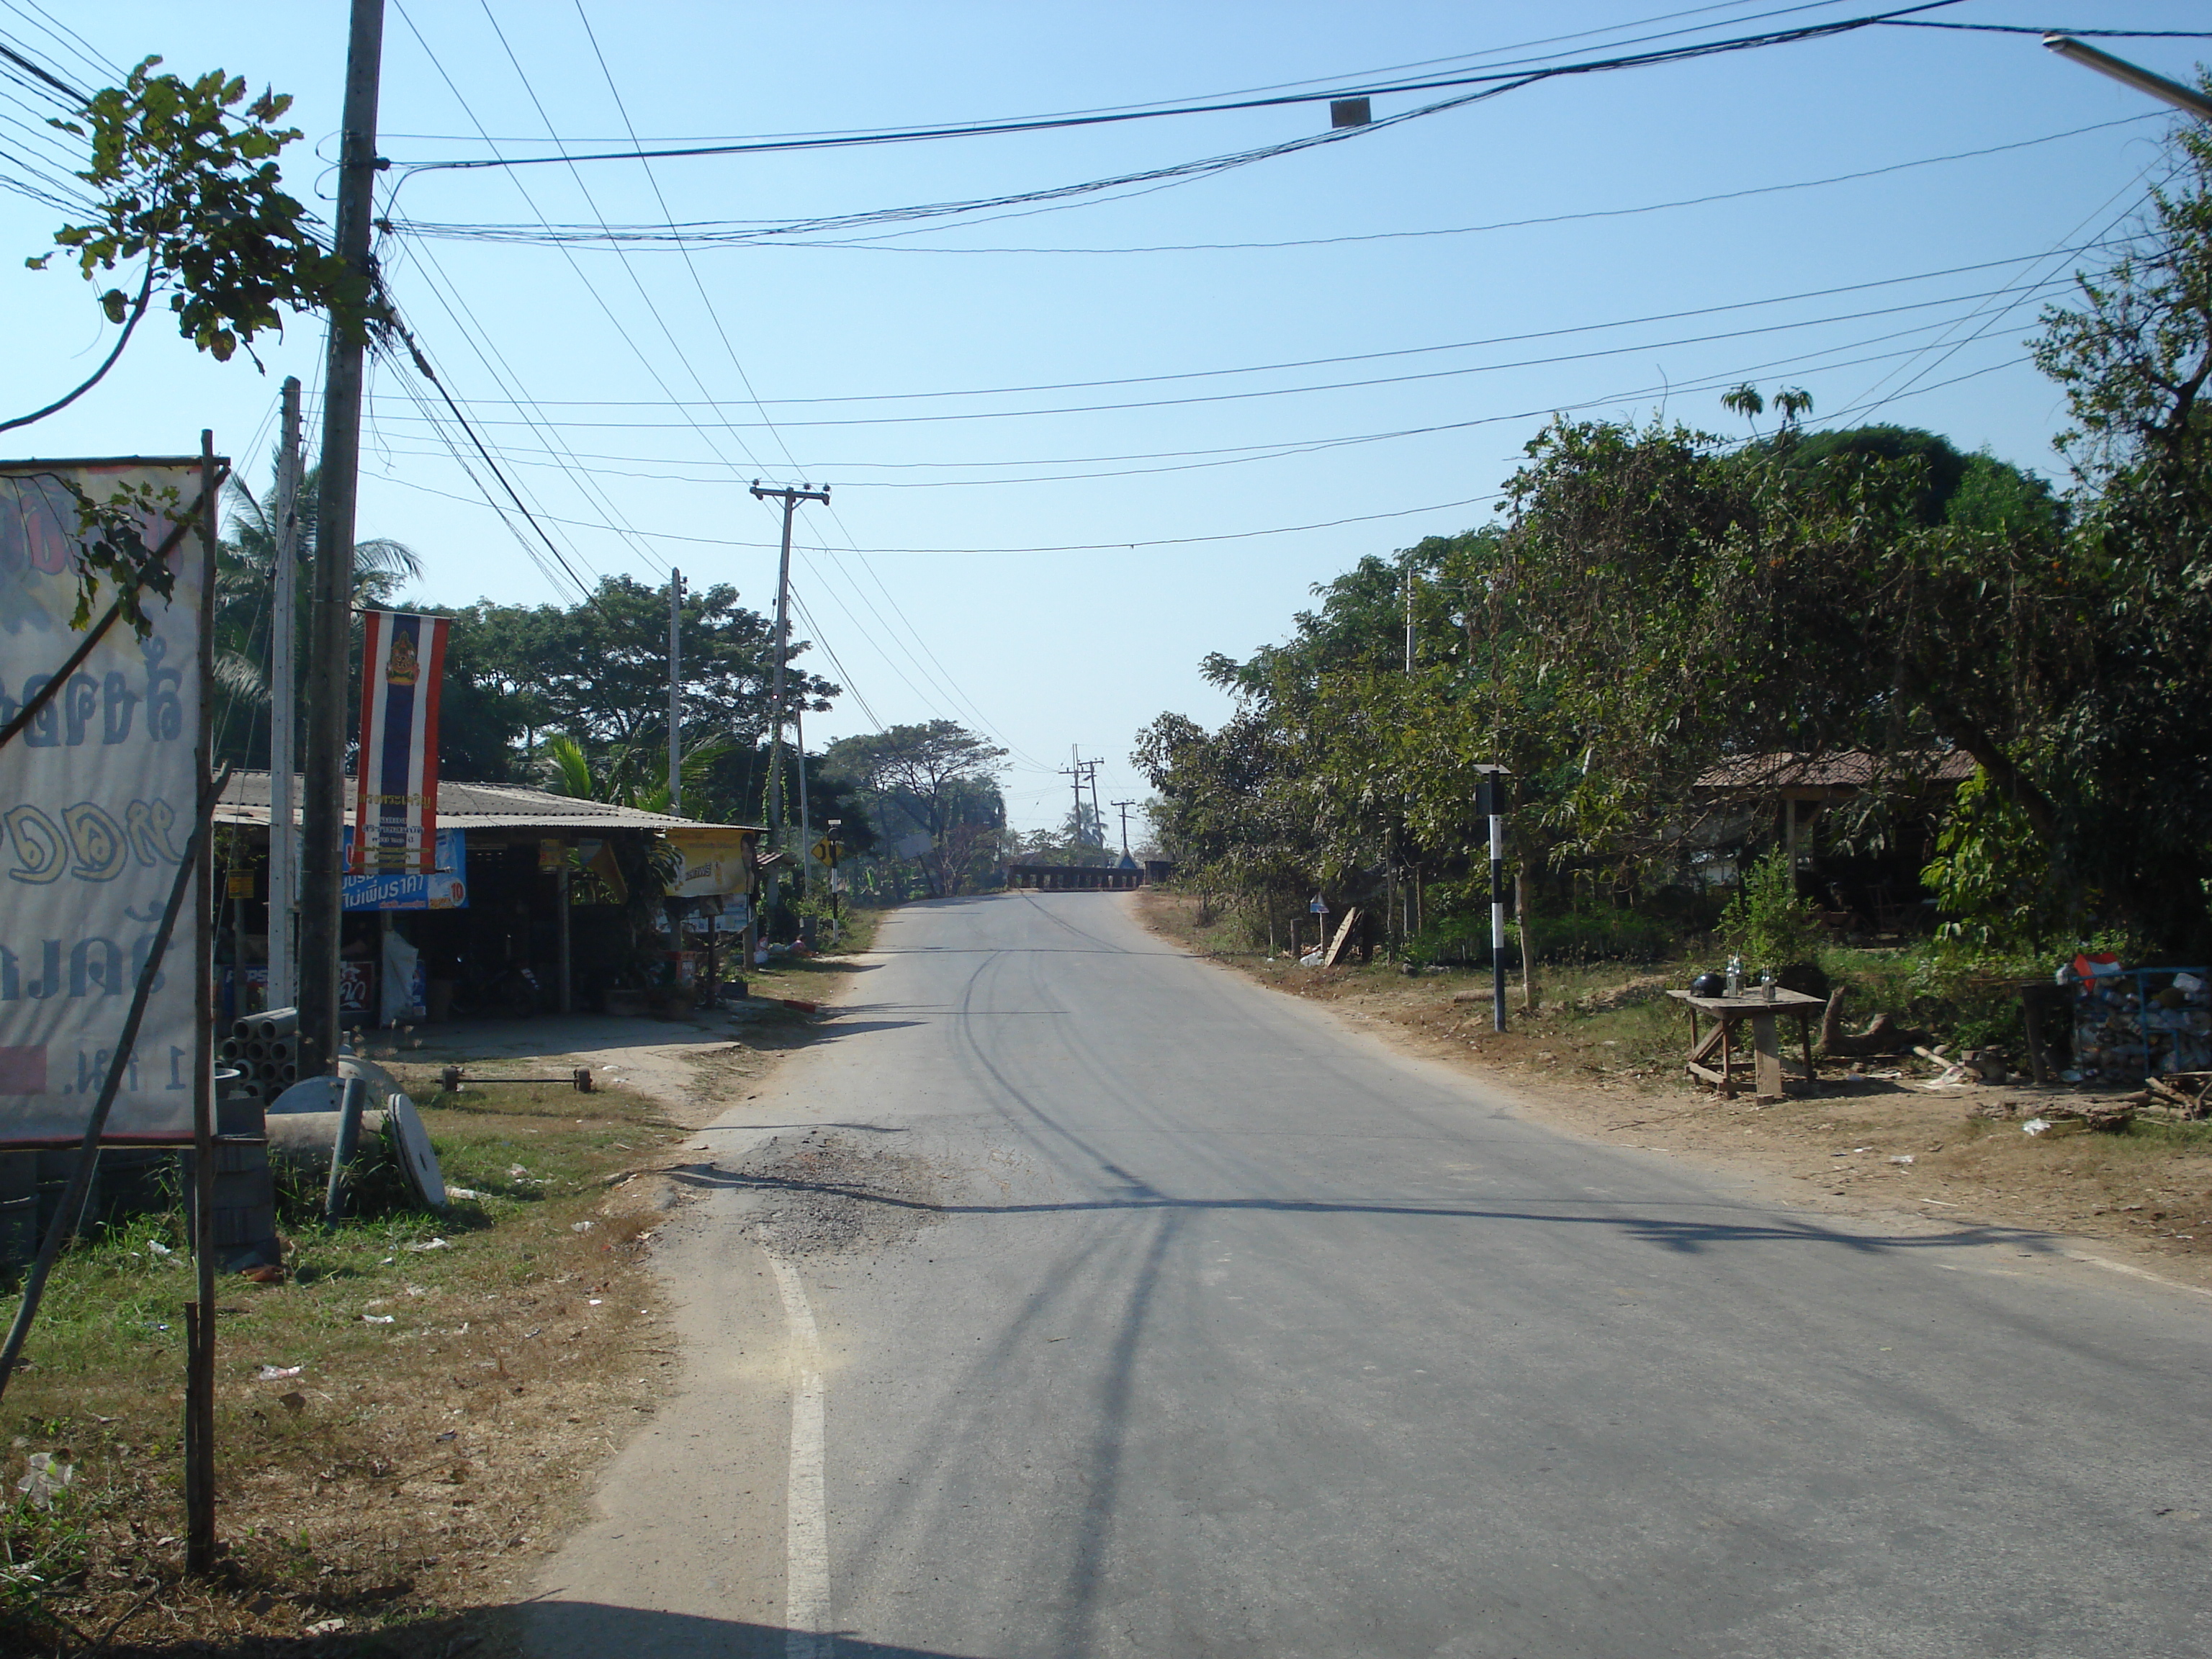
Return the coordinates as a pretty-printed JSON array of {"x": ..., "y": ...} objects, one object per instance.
[{"x": 1766, "y": 1050}]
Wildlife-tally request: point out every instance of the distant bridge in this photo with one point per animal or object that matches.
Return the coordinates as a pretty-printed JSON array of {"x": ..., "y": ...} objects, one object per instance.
[{"x": 1073, "y": 878}]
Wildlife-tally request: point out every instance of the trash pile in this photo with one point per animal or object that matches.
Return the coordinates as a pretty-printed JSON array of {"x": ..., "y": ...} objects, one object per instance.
[{"x": 2131, "y": 1024}]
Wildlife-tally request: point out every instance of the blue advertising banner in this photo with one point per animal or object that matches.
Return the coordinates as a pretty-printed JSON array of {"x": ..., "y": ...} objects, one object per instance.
[{"x": 446, "y": 888}]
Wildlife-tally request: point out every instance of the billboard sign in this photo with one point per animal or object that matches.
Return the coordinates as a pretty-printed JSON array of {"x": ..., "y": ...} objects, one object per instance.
[
  {"x": 98, "y": 796},
  {"x": 445, "y": 888}
]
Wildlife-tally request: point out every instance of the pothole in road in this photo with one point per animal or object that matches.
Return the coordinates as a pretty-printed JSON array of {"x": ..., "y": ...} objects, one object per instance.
[{"x": 828, "y": 1192}]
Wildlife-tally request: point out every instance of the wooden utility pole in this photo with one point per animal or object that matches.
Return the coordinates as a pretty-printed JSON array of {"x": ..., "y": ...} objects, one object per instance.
[
  {"x": 284, "y": 719},
  {"x": 330, "y": 614}
]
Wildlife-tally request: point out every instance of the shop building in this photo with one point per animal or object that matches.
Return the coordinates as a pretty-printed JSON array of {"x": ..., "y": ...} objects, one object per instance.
[{"x": 538, "y": 904}]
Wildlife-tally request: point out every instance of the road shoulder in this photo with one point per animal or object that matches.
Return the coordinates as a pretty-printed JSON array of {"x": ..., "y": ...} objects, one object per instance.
[{"x": 1912, "y": 1160}]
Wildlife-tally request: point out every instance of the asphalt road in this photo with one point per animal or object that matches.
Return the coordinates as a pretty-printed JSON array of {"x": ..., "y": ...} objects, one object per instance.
[{"x": 1153, "y": 1313}]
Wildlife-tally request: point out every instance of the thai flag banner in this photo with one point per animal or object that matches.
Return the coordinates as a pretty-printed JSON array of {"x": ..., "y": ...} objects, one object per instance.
[{"x": 396, "y": 806}]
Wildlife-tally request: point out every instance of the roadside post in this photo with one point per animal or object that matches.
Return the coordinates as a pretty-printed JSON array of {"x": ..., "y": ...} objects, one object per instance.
[
  {"x": 1319, "y": 908},
  {"x": 1493, "y": 792},
  {"x": 831, "y": 827}
]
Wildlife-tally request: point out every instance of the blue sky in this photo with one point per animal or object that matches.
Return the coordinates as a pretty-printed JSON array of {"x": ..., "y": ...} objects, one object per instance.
[{"x": 1048, "y": 565}]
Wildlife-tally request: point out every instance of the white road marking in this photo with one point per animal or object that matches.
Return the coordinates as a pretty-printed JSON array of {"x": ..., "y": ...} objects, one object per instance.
[{"x": 806, "y": 1572}]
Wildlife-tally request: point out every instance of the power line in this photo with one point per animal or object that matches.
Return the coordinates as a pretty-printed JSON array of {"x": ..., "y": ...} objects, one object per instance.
[
  {"x": 1339, "y": 386},
  {"x": 1286, "y": 365},
  {"x": 714, "y": 316},
  {"x": 737, "y": 232},
  {"x": 1494, "y": 82},
  {"x": 1143, "y": 104},
  {"x": 1715, "y": 383}
]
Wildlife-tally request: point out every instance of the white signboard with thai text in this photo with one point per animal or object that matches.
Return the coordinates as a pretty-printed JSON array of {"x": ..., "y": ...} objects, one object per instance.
[{"x": 98, "y": 794}]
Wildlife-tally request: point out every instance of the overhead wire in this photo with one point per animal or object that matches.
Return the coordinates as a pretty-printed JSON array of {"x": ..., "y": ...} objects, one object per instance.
[
  {"x": 706, "y": 299},
  {"x": 729, "y": 349},
  {"x": 1256, "y": 394},
  {"x": 1286, "y": 449},
  {"x": 1562, "y": 332},
  {"x": 1492, "y": 82},
  {"x": 1717, "y": 382},
  {"x": 725, "y": 233},
  {"x": 631, "y": 136},
  {"x": 2061, "y": 251}
]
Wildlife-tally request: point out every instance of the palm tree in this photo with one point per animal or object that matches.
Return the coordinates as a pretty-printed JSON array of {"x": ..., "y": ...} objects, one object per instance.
[
  {"x": 634, "y": 775},
  {"x": 245, "y": 610}
]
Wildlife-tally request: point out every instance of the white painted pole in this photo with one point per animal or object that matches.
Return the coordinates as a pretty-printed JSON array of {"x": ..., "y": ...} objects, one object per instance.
[{"x": 284, "y": 720}]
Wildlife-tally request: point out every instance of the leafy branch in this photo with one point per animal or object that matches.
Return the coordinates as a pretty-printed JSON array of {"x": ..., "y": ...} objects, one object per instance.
[{"x": 188, "y": 181}]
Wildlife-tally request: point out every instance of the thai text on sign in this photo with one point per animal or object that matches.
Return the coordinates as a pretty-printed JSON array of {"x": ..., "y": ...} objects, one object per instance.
[{"x": 97, "y": 795}]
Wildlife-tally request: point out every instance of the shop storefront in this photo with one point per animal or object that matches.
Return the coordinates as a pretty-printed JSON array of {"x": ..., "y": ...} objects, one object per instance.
[{"x": 539, "y": 904}]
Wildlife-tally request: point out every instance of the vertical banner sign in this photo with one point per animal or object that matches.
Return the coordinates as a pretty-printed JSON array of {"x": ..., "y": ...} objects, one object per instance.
[
  {"x": 403, "y": 659},
  {"x": 98, "y": 794}
]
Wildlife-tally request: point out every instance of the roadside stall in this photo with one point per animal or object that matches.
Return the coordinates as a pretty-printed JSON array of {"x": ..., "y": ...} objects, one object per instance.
[{"x": 538, "y": 904}]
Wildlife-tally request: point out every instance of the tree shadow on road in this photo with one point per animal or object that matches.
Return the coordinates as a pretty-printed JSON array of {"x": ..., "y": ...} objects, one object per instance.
[{"x": 1686, "y": 1234}]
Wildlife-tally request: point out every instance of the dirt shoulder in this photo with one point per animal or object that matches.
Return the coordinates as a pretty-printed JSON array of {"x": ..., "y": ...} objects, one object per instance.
[
  {"x": 1600, "y": 1053},
  {"x": 413, "y": 1419}
]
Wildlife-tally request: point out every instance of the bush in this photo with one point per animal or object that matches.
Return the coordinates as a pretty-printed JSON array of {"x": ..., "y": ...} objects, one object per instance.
[
  {"x": 1597, "y": 934},
  {"x": 1766, "y": 922}
]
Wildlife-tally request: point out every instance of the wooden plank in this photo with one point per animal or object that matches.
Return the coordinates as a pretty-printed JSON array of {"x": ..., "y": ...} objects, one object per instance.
[
  {"x": 1766, "y": 1053},
  {"x": 1343, "y": 935},
  {"x": 1707, "y": 1073},
  {"x": 1711, "y": 1040}
]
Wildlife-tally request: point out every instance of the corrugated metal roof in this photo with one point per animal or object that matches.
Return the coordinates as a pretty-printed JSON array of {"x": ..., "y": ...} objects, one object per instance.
[
  {"x": 477, "y": 806},
  {"x": 1851, "y": 769}
]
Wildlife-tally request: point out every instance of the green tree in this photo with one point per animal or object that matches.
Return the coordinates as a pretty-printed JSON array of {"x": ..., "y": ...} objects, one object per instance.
[
  {"x": 187, "y": 180},
  {"x": 598, "y": 672},
  {"x": 934, "y": 780}
]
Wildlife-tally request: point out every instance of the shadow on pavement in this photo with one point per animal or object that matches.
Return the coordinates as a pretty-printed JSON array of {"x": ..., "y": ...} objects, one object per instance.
[
  {"x": 591, "y": 1630},
  {"x": 1688, "y": 1234}
]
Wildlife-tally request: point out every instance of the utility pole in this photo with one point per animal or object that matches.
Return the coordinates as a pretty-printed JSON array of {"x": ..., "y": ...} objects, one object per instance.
[
  {"x": 1125, "y": 805},
  {"x": 676, "y": 692},
  {"x": 1073, "y": 773},
  {"x": 331, "y": 615},
  {"x": 1096, "y": 817},
  {"x": 284, "y": 719},
  {"x": 791, "y": 499},
  {"x": 1409, "y": 610}
]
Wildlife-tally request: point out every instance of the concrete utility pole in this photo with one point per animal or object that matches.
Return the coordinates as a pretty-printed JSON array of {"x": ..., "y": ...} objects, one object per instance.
[
  {"x": 1409, "y": 610},
  {"x": 1073, "y": 773},
  {"x": 791, "y": 499},
  {"x": 676, "y": 692},
  {"x": 1096, "y": 817},
  {"x": 331, "y": 616},
  {"x": 1125, "y": 805},
  {"x": 2185, "y": 98},
  {"x": 284, "y": 719}
]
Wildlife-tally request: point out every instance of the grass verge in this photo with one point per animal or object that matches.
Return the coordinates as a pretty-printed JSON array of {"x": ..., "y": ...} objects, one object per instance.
[{"x": 402, "y": 1426}]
